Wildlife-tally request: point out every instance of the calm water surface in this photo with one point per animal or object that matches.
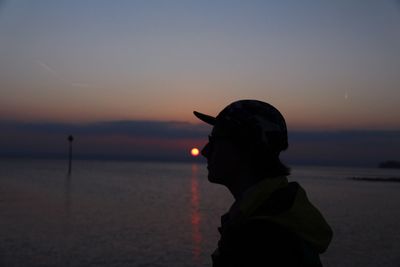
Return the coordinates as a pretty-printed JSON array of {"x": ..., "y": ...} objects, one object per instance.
[{"x": 161, "y": 214}]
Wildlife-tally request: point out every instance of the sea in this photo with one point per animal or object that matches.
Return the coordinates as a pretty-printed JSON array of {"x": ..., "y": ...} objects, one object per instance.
[{"x": 122, "y": 213}]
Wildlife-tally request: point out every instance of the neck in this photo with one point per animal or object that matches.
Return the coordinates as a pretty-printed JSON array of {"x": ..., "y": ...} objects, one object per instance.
[
  {"x": 246, "y": 179},
  {"x": 241, "y": 183}
]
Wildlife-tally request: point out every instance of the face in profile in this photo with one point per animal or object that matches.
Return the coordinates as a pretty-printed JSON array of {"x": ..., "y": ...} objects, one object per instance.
[{"x": 223, "y": 159}]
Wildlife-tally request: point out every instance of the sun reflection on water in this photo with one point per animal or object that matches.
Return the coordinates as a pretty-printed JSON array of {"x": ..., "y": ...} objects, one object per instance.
[{"x": 195, "y": 214}]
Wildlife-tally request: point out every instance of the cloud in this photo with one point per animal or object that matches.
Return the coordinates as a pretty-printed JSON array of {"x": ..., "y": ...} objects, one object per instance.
[
  {"x": 163, "y": 140},
  {"x": 115, "y": 139},
  {"x": 148, "y": 129},
  {"x": 363, "y": 148}
]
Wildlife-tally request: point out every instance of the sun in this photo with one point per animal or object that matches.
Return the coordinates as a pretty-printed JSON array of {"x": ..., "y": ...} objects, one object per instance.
[{"x": 195, "y": 152}]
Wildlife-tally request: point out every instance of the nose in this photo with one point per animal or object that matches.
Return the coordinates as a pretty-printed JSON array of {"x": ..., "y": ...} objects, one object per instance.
[{"x": 206, "y": 150}]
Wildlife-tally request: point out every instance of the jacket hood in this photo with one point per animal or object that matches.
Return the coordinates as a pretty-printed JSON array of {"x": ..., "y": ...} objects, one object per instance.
[{"x": 286, "y": 204}]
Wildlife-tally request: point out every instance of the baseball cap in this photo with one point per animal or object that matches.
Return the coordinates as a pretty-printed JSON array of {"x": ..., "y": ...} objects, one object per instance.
[{"x": 252, "y": 120}]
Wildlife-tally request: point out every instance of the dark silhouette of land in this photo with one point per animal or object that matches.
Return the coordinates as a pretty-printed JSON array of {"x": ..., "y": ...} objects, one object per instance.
[
  {"x": 390, "y": 164},
  {"x": 376, "y": 179}
]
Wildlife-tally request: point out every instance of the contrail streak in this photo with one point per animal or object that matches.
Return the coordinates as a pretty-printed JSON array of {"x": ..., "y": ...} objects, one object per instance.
[
  {"x": 60, "y": 78},
  {"x": 52, "y": 71}
]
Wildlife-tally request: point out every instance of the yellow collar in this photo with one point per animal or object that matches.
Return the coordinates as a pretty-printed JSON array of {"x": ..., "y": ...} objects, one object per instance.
[{"x": 258, "y": 193}]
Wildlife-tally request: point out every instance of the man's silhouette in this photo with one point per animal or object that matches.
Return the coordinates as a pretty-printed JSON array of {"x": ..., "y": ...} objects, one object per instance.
[{"x": 271, "y": 222}]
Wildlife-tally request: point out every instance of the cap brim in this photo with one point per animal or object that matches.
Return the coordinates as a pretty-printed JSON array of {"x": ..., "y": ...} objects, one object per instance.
[{"x": 206, "y": 118}]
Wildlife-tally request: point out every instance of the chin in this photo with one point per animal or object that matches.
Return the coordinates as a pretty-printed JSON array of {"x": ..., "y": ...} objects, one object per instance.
[{"x": 213, "y": 179}]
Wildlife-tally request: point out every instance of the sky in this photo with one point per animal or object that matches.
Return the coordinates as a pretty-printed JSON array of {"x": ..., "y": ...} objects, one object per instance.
[{"x": 328, "y": 66}]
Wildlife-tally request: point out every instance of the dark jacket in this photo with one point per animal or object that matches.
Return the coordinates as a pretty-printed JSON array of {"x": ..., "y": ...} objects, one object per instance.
[{"x": 273, "y": 224}]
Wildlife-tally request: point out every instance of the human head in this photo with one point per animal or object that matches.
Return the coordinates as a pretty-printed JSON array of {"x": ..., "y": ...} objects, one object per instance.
[{"x": 256, "y": 132}]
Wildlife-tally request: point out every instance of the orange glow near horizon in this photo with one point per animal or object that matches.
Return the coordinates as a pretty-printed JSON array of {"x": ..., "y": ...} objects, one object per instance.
[{"x": 195, "y": 152}]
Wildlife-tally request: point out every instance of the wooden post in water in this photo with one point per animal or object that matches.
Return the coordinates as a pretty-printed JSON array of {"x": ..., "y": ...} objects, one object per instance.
[{"x": 70, "y": 139}]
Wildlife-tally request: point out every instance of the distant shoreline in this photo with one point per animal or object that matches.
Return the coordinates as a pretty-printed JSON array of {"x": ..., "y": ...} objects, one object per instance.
[
  {"x": 376, "y": 179},
  {"x": 390, "y": 164}
]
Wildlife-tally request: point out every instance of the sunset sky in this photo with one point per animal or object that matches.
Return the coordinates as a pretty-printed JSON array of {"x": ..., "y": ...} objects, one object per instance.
[{"x": 326, "y": 65}]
